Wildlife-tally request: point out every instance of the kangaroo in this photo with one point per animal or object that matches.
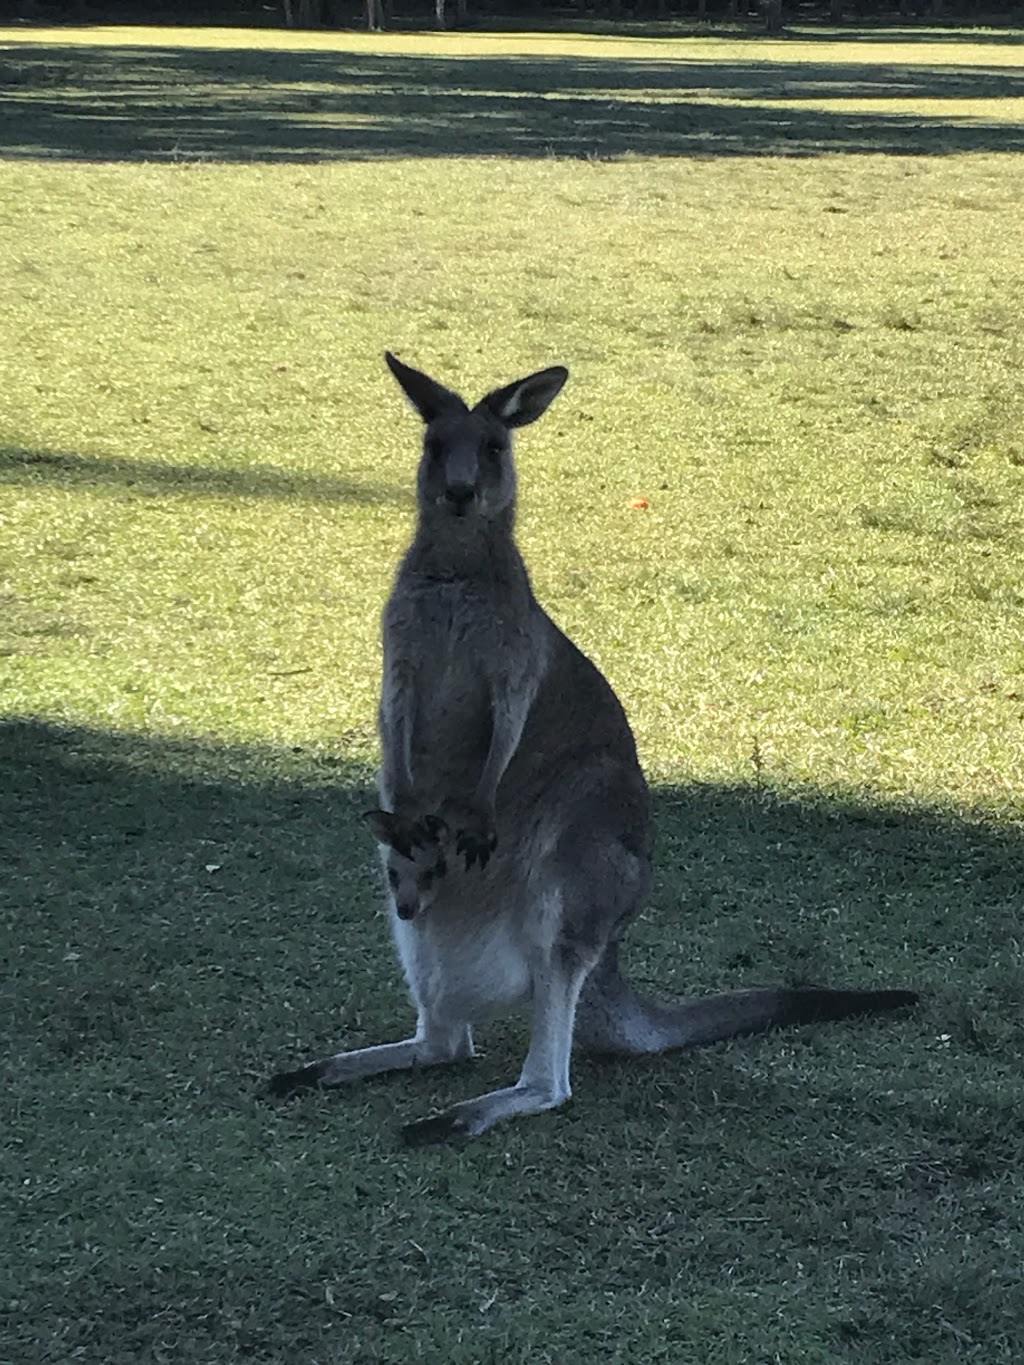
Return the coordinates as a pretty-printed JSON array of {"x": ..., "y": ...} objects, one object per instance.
[{"x": 515, "y": 822}]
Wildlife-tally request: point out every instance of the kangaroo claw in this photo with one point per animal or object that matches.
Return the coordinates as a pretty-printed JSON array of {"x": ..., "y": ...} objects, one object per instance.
[
  {"x": 285, "y": 1084},
  {"x": 431, "y": 1131},
  {"x": 476, "y": 846}
]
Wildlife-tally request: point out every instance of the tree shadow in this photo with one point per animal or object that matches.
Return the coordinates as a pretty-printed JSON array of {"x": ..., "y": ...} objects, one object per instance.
[
  {"x": 904, "y": 889},
  {"x": 145, "y": 478},
  {"x": 1000, "y": 33},
  {"x": 154, "y": 103},
  {"x": 243, "y": 874},
  {"x": 133, "y": 863},
  {"x": 181, "y": 917},
  {"x": 750, "y": 27}
]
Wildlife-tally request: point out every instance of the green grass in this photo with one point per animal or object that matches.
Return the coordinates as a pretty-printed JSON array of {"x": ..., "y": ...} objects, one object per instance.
[{"x": 809, "y": 364}]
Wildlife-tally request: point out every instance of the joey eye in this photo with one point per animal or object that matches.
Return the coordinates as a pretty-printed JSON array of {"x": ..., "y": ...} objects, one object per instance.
[{"x": 393, "y": 878}]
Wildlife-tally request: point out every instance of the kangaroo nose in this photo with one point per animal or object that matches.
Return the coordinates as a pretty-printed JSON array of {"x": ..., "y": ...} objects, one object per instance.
[{"x": 459, "y": 495}]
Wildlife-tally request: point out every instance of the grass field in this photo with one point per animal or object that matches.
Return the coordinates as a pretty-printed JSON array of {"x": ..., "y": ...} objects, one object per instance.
[{"x": 786, "y": 277}]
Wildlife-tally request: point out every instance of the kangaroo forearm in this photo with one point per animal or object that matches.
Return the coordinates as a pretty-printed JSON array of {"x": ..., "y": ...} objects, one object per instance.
[
  {"x": 396, "y": 726},
  {"x": 396, "y": 782},
  {"x": 509, "y": 713},
  {"x": 490, "y": 778},
  {"x": 506, "y": 733}
]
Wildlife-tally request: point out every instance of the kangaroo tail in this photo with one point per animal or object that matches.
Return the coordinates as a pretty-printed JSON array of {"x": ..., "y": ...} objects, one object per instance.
[{"x": 612, "y": 1018}]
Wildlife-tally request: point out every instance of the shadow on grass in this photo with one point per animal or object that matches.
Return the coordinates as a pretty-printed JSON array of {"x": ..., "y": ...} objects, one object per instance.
[
  {"x": 179, "y": 894},
  {"x": 151, "y": 885},
  {"x": 22, "y": 467},
  {"x": 1000, "y": 32},
  {"x": 166, "y": 103},
  {"x": 181, "y": 917}
]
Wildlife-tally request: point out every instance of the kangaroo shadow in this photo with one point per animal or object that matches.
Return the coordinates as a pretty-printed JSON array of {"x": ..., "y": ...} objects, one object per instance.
[{"x": 128, "y": 103}]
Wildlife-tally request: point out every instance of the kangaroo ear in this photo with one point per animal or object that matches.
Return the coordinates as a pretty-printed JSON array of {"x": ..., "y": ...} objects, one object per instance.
[
  {"x": 519, "y": 404},
  {"x": 395, "y": 831},
  {"x": 427, "y": 396}
]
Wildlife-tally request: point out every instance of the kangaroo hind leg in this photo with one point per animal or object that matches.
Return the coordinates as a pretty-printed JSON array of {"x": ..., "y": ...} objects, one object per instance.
[
  {"x": 436, "y": 1041},
  {"x": 544, "y": 1082},
  {"x": 590, "y": 885}
]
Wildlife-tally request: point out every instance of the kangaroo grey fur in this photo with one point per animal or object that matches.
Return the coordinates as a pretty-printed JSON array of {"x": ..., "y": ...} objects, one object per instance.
[{"x": 515, "y": 829}]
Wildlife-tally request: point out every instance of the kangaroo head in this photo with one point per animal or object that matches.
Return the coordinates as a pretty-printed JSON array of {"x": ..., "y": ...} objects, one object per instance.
[
  {"x": 413, "y": 853},
  {"x": 467, "y": 468}
]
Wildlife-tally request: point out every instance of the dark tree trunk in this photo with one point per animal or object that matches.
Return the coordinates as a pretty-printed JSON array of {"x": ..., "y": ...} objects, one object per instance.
[
  {"x": 302, "y": 14},
  {"x": 772, "y": 12}
]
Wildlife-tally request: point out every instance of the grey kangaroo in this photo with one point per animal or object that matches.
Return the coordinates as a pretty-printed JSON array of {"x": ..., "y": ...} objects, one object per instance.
[{"x": 515, "y": 825}]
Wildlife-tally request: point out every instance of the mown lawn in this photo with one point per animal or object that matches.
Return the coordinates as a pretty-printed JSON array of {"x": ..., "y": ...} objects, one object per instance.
[{"x": 786, "y": 278}]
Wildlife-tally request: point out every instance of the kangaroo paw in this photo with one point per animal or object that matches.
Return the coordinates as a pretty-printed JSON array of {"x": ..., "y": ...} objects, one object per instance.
[
  {"x": 430, "y": 1132},
  {"x": 476, "y": 845},
  {"x": 285, "y": 1084}
]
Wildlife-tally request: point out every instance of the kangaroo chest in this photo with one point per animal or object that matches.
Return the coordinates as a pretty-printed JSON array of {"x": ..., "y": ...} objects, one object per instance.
[{"x": 460, "y": 644}]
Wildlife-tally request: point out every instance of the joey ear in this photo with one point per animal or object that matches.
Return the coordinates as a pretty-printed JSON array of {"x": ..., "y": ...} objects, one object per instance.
[
  {"x": 519, "y": 404},
  {"x": 382, "y": 824},
  {"x": 427, "y": 396},
  {"x": 395, "y": 831}
]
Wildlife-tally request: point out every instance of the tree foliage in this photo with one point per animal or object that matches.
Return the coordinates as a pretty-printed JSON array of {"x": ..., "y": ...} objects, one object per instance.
[
  {"x": 624, "y": 15},
  {"x": 773, "y": 14}
]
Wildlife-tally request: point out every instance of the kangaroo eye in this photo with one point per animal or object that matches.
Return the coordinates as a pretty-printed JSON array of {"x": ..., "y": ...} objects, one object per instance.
[
  {"x": 494, "y": 450},
  {"x": 393, "y": 878}
]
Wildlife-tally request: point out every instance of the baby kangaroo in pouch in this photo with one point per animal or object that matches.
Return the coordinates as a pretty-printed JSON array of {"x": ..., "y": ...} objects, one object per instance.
[{"x": 514, "y": 823}]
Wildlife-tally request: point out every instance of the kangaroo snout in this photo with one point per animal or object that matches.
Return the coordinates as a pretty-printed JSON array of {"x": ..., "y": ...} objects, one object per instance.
[{"x": 458, "y": 497}]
